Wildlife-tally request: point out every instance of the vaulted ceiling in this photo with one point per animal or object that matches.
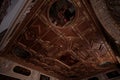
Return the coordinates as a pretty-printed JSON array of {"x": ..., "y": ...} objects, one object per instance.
[{"x": 63, "y": 37}]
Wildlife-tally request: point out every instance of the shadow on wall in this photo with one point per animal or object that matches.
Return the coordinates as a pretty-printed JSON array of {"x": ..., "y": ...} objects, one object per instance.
[
  {"x": 6, "y": 7},
  {"x": 2, "y": 34}
]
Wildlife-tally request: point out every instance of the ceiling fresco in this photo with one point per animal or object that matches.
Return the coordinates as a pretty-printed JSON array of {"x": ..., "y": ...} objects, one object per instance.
[{"x": 74, "y": 48}]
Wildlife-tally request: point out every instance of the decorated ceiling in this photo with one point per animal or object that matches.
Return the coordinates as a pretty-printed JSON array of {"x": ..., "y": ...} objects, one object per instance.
[{"x": 64, "y": 38}]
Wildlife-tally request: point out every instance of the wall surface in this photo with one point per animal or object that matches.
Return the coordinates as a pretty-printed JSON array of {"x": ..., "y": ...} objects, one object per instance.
[
  {"x": 6, "y": 68},
  {"x": 103, "y": 76},
  {"x": 12, "y": 12}
]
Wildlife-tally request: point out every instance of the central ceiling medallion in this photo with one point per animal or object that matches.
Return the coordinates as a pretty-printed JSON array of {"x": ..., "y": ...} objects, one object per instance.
[{"x": 62, "y": 12}]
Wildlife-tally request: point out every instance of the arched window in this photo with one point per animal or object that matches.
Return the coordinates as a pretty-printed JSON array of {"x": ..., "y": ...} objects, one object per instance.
[{"x": 21, "y": 70}]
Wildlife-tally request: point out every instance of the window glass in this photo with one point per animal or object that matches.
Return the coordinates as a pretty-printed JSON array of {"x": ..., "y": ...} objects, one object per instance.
[
  {"x": 43, "y": 77},
  {"x": 21, "y": 70},
  {"x": 113, "y": 74},
  {"x": 93, "y": 78}
]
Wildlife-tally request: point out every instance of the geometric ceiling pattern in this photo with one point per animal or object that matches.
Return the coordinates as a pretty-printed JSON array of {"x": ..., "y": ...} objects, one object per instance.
[{"x": 74, "y": 48}]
